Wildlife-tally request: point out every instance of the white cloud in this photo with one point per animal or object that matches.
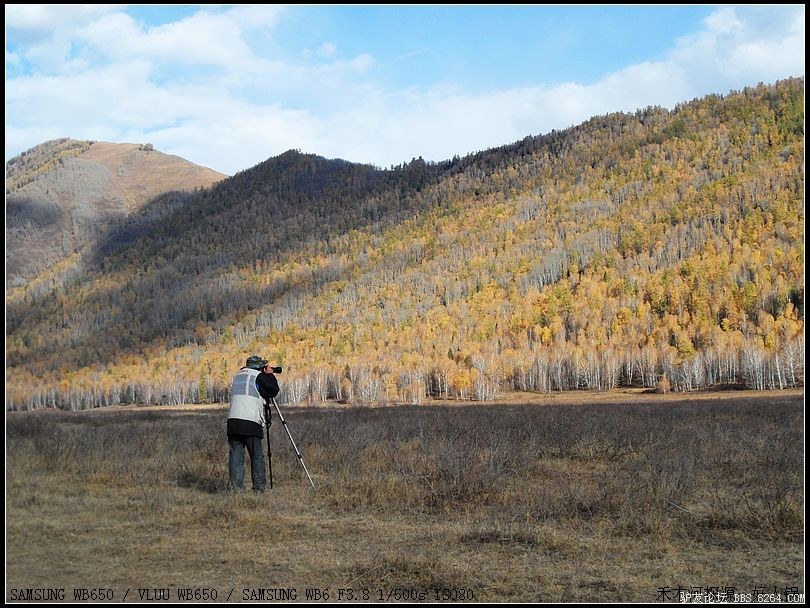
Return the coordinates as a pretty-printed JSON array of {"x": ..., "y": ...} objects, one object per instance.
[
  {"x": 43, "y": 19},
  {"x": 327, "y": 49},
  {"x": 234, "y": 106},
  {"x": 742, "y": 47},
  {"x": 362, "y": 63},
  {"x": 12, "y": 59},
  {"x": 244, "y": 136},
  {"x": 722, "y": 21},
  {"x": 207, "y": 39},
  {"x": 251, "y": 17}
]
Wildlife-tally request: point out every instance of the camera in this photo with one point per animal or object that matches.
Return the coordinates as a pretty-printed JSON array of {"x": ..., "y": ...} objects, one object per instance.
[{"x": 276, "y": 370}]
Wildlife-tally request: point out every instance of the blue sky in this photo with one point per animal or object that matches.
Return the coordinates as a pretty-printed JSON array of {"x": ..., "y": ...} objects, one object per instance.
[{"x": 229, "y": 86}]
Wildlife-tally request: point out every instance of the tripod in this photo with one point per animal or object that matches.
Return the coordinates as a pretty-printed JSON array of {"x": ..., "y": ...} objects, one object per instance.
[{"x": 270, "y": 453}]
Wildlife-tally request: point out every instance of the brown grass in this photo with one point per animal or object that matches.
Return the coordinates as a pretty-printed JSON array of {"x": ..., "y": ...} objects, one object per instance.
[
  {"x": 140, "y": 176},
  {"x": 551, "y": 502}
]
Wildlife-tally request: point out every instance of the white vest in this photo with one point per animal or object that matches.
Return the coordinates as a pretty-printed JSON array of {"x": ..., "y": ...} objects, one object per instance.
[{"x": 246, "y": 403}]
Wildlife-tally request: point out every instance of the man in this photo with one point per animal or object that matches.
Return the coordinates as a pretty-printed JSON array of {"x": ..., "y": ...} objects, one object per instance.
[{"x": 252, "y": 389}]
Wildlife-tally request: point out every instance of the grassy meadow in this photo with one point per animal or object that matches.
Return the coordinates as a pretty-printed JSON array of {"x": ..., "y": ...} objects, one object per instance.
[{"x": 547, "y": 501}]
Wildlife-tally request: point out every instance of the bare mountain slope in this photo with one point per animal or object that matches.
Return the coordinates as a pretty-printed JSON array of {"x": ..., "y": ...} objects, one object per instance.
[{"x": 61, "y": 195}]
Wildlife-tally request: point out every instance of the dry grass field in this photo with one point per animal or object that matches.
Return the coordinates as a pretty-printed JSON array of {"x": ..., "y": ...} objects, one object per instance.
[{"x": 542, "y": 501}]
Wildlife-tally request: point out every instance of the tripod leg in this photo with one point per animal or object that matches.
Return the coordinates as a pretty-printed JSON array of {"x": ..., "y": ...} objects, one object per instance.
[
  {"x": 268, "y": 412},
  {"x": 297, "y": 453}
]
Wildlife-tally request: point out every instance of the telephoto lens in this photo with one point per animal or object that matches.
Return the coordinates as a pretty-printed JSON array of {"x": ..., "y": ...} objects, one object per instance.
[{"x": 277, "y": 370}]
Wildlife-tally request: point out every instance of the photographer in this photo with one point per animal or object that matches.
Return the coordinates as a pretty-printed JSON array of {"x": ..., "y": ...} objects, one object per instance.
[{"x": 251, "y": 391}]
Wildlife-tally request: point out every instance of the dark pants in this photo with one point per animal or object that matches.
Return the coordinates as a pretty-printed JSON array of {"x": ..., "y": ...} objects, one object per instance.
[{"x": 236, "y": 463}]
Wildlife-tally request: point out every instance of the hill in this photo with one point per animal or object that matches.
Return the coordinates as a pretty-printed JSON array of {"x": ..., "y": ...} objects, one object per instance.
[
  {"x": 654, "y": 249},
  {"x": 63, "y": 194}
]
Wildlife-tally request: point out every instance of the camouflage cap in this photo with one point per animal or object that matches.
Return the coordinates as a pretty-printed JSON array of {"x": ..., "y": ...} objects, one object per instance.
[{"x": 256, "y": 362}]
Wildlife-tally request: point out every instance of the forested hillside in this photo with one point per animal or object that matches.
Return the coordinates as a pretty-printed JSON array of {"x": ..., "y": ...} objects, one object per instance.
[{"x": 659, "y": 249}]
